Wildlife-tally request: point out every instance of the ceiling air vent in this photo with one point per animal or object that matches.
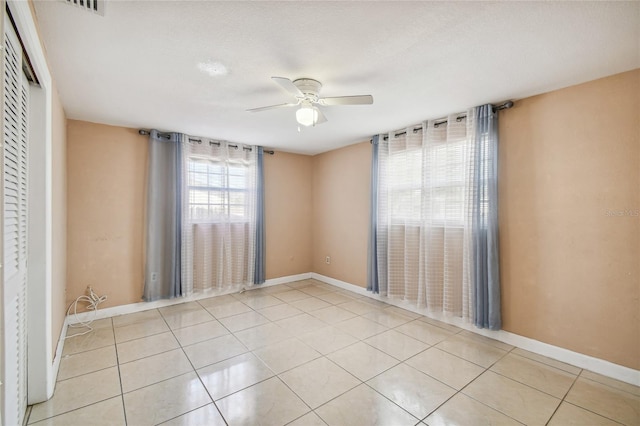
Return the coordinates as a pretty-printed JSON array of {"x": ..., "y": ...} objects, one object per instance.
[{"x": 95, "y": 6}]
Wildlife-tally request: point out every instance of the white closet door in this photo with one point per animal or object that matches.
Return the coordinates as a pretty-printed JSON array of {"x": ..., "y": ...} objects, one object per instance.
[{"x": 16, "y": 97}]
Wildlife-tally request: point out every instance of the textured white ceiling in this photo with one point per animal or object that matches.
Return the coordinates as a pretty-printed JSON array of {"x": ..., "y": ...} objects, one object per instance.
[{"x": 138, "y": 66}]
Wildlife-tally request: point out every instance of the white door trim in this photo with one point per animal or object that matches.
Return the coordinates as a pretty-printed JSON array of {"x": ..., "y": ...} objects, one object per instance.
[{"x": 40, "y": 371}]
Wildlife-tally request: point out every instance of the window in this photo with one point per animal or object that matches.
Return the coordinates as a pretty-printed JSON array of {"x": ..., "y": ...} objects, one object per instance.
[
  {"x": 218, "y": 190},
  {"x": 405, "y": 186},
  {"x": 446, "y": 183},
  {"x": 437, "y": 180},
  {"x": 222, "y": 211}
]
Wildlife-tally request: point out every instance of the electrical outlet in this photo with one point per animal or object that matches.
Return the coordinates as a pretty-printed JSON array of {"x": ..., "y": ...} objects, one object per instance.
[
  {"x": 154, "y": 276},
  {"x": 327, "y": 260}
]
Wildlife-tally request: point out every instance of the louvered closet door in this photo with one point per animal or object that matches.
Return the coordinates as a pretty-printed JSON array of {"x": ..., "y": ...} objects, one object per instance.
[{"x": 16, "y": 96}]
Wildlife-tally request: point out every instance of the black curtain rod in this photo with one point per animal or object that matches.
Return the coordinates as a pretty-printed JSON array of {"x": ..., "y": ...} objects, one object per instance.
[
  {"x": 506, "y": 105},
  {"x": 436, "y": 124},
  {"x": 146, "y": 132}
]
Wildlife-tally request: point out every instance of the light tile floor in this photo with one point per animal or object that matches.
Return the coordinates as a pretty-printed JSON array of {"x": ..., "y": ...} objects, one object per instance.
[{"x": 306, "y": 354}]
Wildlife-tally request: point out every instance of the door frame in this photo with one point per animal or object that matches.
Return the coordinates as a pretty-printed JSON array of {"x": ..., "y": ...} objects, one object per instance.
[{"x": 41, "y": 373}]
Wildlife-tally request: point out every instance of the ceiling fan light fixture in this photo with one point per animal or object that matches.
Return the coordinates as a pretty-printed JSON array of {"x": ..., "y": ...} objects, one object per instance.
[
  {"x": 307, "y": 115},
  {"x": 305, "y": 92}
]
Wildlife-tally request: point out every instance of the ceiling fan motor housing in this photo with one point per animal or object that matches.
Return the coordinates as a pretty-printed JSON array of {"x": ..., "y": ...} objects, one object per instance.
[
  {"x": 308, "y": 86},
  {"x": 306, "y": 93}
]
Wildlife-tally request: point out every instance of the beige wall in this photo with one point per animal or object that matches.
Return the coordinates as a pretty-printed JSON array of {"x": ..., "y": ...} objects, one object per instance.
[
  {"x": 59, "y": 219},
  {"x": 340, "y": 219},
  {"x": 287, "y": 214},
  {"x": 570, "y": 273},
  {"x": 106, "y": 172}
]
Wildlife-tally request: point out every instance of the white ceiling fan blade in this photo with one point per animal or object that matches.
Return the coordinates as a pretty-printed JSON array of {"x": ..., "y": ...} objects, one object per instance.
[
  {"x": 288, "y": 85},
  {"x": 347, "y": 100},
  {"x": 321, "y": 117},
  {"x": 266, "y": 108}
]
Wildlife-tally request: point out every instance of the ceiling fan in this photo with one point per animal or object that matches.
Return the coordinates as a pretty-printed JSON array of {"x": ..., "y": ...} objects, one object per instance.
[{"x": 305, "y": 91}]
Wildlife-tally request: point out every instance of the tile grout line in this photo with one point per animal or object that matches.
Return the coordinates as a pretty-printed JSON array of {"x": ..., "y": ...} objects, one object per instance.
[
  {"x": 435, "y": 378},
  {"x": 637, "y": 395},
  {"x": 575, "y": 379},
  {"x": 579, "y": 375},
  {"x": 482, "y": 403},
  {"x": 313, "y": 410},
  {"x": 385, "y": 397},
  {"x": 544, "y": 363},
  {"x": 531, "y": 386},
  {"x": 193, "y": 368},
  {"x": 115, "y": 345},
  {"x": 403, "y": 362},
  {"x": 90, "y": 372},
  {"x": 87, "y": 405},
  {"x": 592, "y": 412},
  {"x": 476, "y": 378}
]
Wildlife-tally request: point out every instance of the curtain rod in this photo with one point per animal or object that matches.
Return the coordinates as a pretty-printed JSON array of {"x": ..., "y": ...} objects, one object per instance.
[
  {"x": 506, "y": 105},
  {"x": 146, "y": 132}
]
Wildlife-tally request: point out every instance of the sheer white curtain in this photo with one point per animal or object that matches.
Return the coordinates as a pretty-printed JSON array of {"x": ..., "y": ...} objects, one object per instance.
[
  {"x": 219, "y": 210},
  {"x": 421, "y": 215}
]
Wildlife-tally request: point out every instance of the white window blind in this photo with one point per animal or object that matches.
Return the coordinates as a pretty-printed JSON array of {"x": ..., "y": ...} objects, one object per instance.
[
  {"x": 15, "y": 185},
  {"x": 405, "y": 186},
  {"x": 217, "y": 190},
  {"x": 445, "y": 183}
]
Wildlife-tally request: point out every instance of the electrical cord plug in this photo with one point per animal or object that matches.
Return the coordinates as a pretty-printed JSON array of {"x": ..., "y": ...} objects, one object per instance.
[{"x": 92, "y": 300}]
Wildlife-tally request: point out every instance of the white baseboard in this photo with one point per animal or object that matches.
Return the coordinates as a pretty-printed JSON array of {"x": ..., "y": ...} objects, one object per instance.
[
  {"x": 144, "y": 306},
  {"x": 587, "y": 362},
  {"x": 346, "y": 286},
  {"x": 58, "y": 355},
  {"x": 287, "y": 279}
]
